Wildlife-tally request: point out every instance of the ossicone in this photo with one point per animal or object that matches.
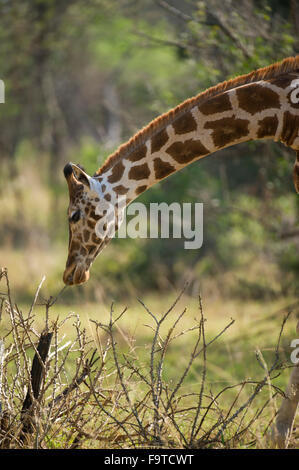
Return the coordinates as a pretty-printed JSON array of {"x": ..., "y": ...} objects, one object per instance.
[
  {"x": 68, "y": 170},
  {"x": 77, "y": 172}
]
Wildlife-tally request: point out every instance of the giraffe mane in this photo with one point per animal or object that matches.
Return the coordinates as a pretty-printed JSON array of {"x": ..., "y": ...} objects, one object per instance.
[{"x": 285, "y": 66}]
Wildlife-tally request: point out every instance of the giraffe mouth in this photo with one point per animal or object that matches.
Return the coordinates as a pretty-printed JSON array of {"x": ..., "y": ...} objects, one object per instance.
[{"x": 75, "y": 275}]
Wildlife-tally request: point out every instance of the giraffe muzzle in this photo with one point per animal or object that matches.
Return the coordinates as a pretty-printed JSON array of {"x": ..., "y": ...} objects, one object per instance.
[{"x": 75, "y": 275}]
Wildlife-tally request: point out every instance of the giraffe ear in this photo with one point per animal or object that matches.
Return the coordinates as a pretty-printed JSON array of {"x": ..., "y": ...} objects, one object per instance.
[{"x": 80, "y": 174}]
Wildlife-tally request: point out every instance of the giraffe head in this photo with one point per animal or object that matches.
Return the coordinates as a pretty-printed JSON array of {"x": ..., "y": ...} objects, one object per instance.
[{"x": 89, "y": 231}]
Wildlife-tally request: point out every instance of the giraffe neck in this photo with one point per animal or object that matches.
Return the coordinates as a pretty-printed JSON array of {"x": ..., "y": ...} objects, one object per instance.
[{"x": 263, "y": 109}]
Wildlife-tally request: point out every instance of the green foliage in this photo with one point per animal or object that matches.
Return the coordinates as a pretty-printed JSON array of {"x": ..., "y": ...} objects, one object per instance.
[{"x": 87, "y": 77}]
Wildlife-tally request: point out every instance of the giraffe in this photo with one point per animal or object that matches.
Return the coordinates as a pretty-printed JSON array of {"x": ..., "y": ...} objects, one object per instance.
[{"x": 263, "y": 104}]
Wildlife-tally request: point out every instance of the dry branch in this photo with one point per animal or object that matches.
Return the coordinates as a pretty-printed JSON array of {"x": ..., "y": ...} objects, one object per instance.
[{"x": 110, "y": 398}]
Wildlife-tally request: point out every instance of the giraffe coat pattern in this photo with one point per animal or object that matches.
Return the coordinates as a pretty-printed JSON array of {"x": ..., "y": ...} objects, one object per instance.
[{"x": 263, "y": 104}]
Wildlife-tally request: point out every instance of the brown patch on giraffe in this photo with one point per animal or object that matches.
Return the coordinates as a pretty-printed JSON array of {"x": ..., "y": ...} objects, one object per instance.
[
  {"x": 255, "y": 98},
  {"x": 75, "y": 246},
  {"x": 267, "y": 127},
  {"x": 140, "y": 189},
  {"x": 185, "y": 152},
  {"x": 283, "y": 81},
  {"x": 227, "y": 130},
  {"x": 120, "y": 189},
  {"x": 137, "y": 154},
  {"x": 158, "y": 140},
  {"x": 91, "y": 249},
  {"x": 93, "y": 215},
  {"x": 103, "y": 188},
  {"x": 290, "y": 128},
  {"x": 162, "y": 169},
  {"x": 86, "y": 234},
  {"x": 91, "y": 223},
  {"x": 117, "y": 172},
  {"x": 139, "y": 172},
  {"x": 95, "y": 239},
  {"x": 216, "y": 104},
  {"x": 184, "y": 124},
  {"x": 286, "y": 66},
  {"x": 71, "y": 260},
  {"x": 107, "y": 197}
]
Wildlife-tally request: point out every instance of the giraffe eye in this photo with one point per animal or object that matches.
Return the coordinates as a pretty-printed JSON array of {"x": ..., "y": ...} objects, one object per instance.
[{"x": 75, "y": 216}]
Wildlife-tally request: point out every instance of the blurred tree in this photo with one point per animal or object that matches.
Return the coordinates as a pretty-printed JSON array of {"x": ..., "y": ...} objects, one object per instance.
[{"x": 83, "y": 76}]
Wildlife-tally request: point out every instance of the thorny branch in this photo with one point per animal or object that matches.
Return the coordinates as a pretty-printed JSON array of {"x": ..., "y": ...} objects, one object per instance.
[{"x": 104, "y": 396}]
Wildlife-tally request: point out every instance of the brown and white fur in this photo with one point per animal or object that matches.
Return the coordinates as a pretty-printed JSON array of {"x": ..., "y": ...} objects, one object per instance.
[{"x": 263, "y": 104}]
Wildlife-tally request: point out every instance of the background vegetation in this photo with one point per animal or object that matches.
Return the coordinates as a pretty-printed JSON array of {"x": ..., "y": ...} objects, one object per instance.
[
  {"x": 81, "y": 78},
  {"x": 124, "y": 387}
]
